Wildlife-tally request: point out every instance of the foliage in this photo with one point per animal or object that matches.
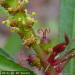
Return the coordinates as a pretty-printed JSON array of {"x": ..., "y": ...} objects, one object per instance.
[
  {"x": 67, "y": 25},
  {"x": 4, "y": 53},
  {"x": 4, "y": 12},
  {"x": 24, "y": 25},
  {"x": 7, "y": 63},
  {"x": 13, "y": 44},
  {"x": 11, "y": 66}
]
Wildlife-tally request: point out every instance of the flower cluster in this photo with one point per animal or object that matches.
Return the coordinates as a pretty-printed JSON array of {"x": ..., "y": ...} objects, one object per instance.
[
  {"x": 59, "y": 63},
  {"x": 44, "y": 41},
  {"x": 33, "y": 60},
  {"x": 21, "y": 22},
  {"x": 58, "y": 49},
  {"x": 44, "y": 31}
]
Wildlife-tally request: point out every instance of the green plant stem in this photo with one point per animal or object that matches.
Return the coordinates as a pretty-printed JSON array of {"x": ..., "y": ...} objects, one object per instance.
[{"x": 43, "y": 57}]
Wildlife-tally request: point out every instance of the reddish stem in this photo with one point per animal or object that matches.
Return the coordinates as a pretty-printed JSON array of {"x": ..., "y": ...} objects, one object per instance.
[
  {"x": 44, "y": 32},
  {"x": 66, "y": 39},
  {"x": 46, "y": 73},
  {"x": 58, "y": 49},
  {"x": 63, "y": 58},
  {"x": 60, "y": 67},
  {"x": 22, "y": 59}
]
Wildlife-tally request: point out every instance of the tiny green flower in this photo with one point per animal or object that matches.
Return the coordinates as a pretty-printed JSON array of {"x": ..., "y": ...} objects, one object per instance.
[
  {"x": 19, "y": 2},
  {"x": 29, "y": 18},
  {"x": 13, "y": 29},
  {"x": 10, "y": 9},
  {"x": 26, "y": 11},
  {"x": 32, "y": 19},
  {"x": 37, "y": 40},
  {"x": 3, "y": 22},
  {"x": 26, "y": 1},
  {"x": 8, "y": 23},
  {"x": 19, "y": 19},
  {"x": 33, "y": 13},
  {"x": 23, "y": 22}
]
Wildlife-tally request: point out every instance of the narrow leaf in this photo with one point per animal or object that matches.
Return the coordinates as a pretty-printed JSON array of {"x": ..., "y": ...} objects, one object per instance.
[
  {"x": 66, "y": 18},
  {"x": 13, "y": 44},
  {"x": 66, "y": 25},
  {"x": 4, "y": 53},
  {"x": 8, "y": 65}
]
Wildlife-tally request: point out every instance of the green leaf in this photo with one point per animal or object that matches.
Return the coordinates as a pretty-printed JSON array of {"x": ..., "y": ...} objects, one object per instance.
[
  {"x": 13, "y": 44},
  {"x": 4, "y": 53},
  {"x": 53, "y": 25},
  {"x": 54, "y": 41},
  {"x": 66, "y": 18},
  {"x": 67, "y": 25},
  {"x": 36, "y": 26},
  {"x": 4, "y": 12},
  {"x": 8, "y": 65},
  {"x": 11, "y": 3}
]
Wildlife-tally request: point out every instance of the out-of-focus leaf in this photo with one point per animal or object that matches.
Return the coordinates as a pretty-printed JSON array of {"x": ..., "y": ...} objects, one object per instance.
[
  {"x": 54, "y": 41},
  {"x": 67, "y": 25},
  {"x": 13, "y": 44},
  {"x": 8, "y": 65},
  {"x": 4, "y": 12},
  {"x": 72, "y": 44},
  {"x": 53, "y": 25},
  {"x": 36, "y": 26},
  {"x": 66, "y": 18},
  {"x": 4, "y": 53},
  {"x": 12, "y": 3}
]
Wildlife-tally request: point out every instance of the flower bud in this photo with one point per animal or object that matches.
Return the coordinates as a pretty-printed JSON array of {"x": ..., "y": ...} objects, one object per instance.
[
  {"x": 33, "y": 13},
  {"x": 37, "y": 40},
  {"x": 19, "y": 2},
  {"x": 23, "y": 22},
  {"x": 26, "y": 1},
  {"x": 29, "y": 18},
  {"x": 31, "y": 59},
  {"x": 26, "y": 11},
  {"x": 3, "y": 22},
  {"x": 13, "y": 29},
  {"x": 19, "y": 19},
  {"x": 32, "y": 20},
  {"x": 34, "y": 61},
  {"x": 8, "y": 23},
  {"x": 10, "y": 9}
]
